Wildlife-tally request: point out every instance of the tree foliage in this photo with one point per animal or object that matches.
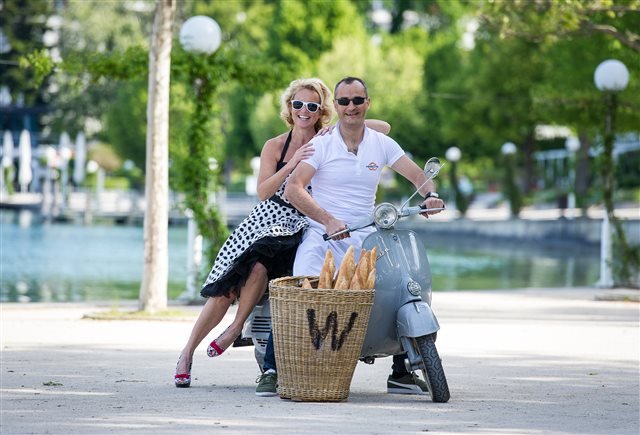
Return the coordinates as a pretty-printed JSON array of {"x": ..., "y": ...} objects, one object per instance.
[
  {"x": 23, "y": 24},
  {"x": 443, "y": 73},
  {"x": 110, "y": 39},
  {"x": 554, "y": 20}
]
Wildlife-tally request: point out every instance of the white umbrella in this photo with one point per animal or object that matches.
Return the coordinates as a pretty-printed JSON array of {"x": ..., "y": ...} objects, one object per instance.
[
  {"x": 7, "y": 162},
  {"x": 64, "y": 147},
  {"x": 64, "y": 150},
  {"x": 7, "y": 149},
  {"x": 24, "y": 169},
  {"x": 81, "y": 157}
]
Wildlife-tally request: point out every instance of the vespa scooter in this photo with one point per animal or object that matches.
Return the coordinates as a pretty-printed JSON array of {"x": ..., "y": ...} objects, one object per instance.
[{"x": 401, "y": 317}]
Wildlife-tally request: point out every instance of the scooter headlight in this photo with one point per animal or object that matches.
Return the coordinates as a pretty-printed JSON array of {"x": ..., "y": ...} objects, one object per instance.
[{"x": 385, "y": 215}]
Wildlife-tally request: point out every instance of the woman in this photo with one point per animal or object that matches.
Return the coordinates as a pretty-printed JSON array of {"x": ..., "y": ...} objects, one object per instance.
[{"x": 263, "y": 246}]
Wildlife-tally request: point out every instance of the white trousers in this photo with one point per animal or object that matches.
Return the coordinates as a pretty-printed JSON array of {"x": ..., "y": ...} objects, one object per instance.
[{"x": 311, "y": 252}]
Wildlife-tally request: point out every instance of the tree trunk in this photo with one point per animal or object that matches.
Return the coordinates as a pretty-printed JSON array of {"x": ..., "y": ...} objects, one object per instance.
[{"x": 153, "y": 289}]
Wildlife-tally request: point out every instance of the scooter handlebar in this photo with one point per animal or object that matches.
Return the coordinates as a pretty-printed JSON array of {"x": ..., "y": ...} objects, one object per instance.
[
  {"x": 326, "y": 237},
  {"x": 410, "y": 211}
]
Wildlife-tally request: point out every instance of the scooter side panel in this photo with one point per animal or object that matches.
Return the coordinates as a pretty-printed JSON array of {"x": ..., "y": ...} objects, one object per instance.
[
  {"x": 401, "y": 258},
  {"x": 380, "y": 339}
]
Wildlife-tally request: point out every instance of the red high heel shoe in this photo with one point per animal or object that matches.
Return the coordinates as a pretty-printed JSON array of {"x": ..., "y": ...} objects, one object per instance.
[
  {"x": 215, "y": 349},
  {"x": 183, "y": 380}
]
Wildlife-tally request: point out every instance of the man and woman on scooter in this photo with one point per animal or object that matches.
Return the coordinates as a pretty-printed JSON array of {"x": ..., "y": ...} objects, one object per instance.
[
  {"x": 263, "y": 246},
  {"x": 343, "y": 168}
]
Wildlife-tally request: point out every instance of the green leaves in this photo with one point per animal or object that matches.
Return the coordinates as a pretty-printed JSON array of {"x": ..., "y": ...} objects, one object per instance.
[{"x": 40, "y": 63}]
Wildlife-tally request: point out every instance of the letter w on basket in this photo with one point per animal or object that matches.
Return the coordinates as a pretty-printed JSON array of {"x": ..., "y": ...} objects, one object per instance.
[{"x": 331, "y": 324}]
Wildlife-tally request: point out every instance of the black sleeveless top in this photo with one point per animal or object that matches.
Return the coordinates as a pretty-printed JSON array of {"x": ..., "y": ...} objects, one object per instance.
[
  {"x": 269, "y": 235},
  {"x": 281, "y": 163}
]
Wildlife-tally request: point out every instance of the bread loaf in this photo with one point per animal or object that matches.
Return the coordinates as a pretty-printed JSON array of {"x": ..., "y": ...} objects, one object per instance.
[
  {"x": 347, "y": 270},
  {"x": 371, "y": 279},
  {"x": 328, "y": 270}
]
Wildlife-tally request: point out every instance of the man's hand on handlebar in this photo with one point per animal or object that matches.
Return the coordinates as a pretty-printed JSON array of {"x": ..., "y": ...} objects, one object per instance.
[
  {"x": 432, "y": 203},
  {"x": 334, "y": 226}
]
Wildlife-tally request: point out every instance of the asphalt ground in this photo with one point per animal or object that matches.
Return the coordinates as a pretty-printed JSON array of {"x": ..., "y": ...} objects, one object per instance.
[{"x": 532, "y": 361}]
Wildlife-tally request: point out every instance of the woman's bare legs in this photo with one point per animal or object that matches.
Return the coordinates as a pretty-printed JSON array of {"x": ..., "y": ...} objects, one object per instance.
[
  {"x": 214, "y": 310},
  {"x": 211, "y": 315},
  {"x": 250, "y": 295}
]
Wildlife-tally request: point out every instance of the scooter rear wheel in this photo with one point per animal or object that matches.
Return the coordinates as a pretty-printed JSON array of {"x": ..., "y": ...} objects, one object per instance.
[{"x": 432, "y": 368}]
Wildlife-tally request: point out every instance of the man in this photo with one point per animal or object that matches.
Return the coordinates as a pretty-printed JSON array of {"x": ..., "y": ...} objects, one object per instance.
[{"x": 344, "y": 173}]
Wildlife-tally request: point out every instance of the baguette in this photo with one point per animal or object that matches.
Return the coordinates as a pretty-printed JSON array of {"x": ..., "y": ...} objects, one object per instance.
[
  {"x": 347, "y": 270},
  {"x": 363, "y": 268},
  {"x": 306, "y": 283},
  {"x": 371, "y": 279},
  {"x": 357, "y": 283},
  {"x": 342, "y": 283},
  {"x": 327, "y": 271},
  {"x": 373, "y": 257}
]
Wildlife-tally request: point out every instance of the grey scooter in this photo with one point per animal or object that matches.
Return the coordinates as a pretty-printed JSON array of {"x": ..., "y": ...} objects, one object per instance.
[{"x": 401, "y": 317}]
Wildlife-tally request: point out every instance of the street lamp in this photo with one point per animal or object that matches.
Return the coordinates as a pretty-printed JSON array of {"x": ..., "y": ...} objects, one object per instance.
[
  {"x": 610, "y": 77},
  {"x": 198, "y": 35},
  {"x": 508, "y": 151},
  {"x": 508, "y": 148},
  {"x": 453, "y": 155},
  {"x": 572, "y": 144}
]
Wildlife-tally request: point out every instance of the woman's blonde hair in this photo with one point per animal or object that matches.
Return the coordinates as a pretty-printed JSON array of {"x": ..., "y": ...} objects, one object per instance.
[{"x": 313, "y": 84}]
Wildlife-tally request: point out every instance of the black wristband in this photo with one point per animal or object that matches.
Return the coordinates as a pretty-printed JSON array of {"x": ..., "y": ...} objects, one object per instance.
[{"x": 431, "y": 195}]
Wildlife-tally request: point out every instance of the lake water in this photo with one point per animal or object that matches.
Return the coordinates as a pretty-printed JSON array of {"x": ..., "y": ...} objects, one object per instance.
[{"x": 64, "y": 262}]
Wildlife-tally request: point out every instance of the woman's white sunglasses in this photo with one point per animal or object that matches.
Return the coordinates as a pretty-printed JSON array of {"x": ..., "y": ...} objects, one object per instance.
[{"x": 311, "y": 107}]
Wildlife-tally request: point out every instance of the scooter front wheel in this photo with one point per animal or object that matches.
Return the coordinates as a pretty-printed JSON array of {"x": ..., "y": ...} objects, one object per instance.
[{"x": 432, "y": 368}]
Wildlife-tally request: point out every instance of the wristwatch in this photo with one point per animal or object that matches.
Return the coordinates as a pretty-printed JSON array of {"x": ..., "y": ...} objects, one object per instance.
[{"x": 431, "y": 195}]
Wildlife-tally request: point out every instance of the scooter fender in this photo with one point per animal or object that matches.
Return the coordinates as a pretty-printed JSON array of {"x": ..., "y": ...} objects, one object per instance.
[{"x": 416, "y": 319}]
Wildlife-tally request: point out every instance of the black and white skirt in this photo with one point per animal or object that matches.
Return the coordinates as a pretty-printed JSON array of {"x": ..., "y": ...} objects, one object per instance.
[{"x": 269, "y": 235}]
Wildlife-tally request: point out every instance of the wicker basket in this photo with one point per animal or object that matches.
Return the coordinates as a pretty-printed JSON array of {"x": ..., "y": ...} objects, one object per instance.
[{"x": 318, "y": 336}]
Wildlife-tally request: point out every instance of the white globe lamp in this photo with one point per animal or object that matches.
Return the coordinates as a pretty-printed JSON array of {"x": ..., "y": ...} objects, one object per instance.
[
  {"x": 453, "y": 154},
  {"x": 200, "y": 34},
  {"x": 611, "y": 76},
  {"x": 508, "y": 148}
]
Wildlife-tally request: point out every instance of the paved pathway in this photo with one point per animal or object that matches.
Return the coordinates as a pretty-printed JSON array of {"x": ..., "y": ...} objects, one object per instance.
[{"x": 530, "y": 361}]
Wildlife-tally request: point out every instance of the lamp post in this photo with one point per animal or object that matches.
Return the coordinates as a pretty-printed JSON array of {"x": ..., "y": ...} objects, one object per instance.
[
  {"x": 198, "y": 35},
  {"x": 453, "y": 155},
  {"x": 610, "y": 77},
  {"x": 572, "y": 144},
  {"x": 508, "y": 151}
]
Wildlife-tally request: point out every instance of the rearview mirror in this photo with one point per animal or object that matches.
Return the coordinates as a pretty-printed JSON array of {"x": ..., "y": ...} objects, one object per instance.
[{"x": 432, "y": 167}]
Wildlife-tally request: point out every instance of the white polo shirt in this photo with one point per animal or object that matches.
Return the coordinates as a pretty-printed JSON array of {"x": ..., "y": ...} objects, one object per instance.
[{"x": 345, "y": 185}]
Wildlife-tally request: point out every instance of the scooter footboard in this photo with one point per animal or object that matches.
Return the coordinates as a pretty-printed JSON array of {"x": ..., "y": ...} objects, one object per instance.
[{"x": 416, "y": 319}]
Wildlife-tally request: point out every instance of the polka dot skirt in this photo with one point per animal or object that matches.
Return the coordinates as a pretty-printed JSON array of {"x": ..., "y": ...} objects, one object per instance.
[{"x": 270, "y": 235}]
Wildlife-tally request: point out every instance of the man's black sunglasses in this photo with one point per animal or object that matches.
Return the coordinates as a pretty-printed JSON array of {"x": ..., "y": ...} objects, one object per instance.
[{"x": 344, "y": 101}]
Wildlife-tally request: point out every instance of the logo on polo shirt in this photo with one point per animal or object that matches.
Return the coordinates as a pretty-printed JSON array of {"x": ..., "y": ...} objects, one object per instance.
[{"x": 372, "y": 166}]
